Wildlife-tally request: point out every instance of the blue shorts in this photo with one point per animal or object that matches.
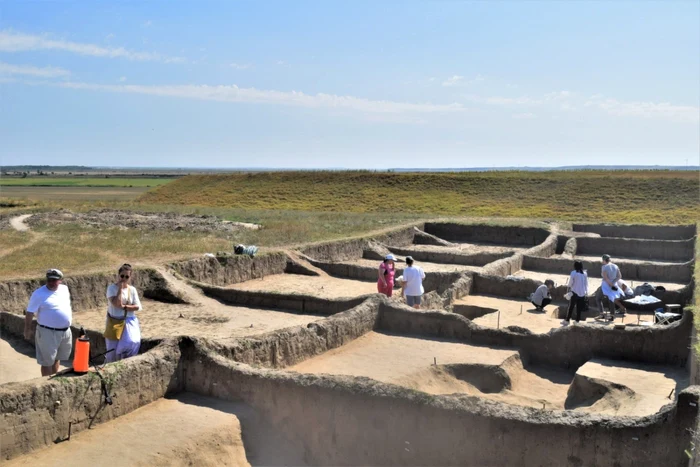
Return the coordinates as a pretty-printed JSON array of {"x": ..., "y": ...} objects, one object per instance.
[{"x": 413, "y": 299}]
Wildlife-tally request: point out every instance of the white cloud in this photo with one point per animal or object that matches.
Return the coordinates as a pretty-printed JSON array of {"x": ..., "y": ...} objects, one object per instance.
[
  {"x": 147, "y": 23},
  {"x": 503, "y": 101},
  {"x": 109, "y": 36},
  {"x": 122, "y": 79},
  {"x": 452, "y": 80},
  {"x": 681, "y": 113},
  {"x": 457, "y": 80},
  {"x": 292, "y": 98},
  {"x": 240, "y": 66},
  {"x": 46, "y": 72},
  {"x": 568, "y": 101},
  {"x": 281, "y": 63},
  {"x": 17, "y": 42}
]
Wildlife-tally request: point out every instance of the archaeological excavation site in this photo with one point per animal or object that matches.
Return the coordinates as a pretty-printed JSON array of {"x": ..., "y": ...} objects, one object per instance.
[{"x": 291, "y": 357}]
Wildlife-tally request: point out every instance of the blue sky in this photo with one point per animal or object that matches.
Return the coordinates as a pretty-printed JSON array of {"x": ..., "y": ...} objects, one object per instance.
[{"x": 349, "y": 84}]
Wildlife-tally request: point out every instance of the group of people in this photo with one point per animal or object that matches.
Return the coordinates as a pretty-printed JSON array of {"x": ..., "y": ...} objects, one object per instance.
[
  {"x": 613, "y": 287},
  {"x": 411, "y": 281},
  {"x": 51, "y": 305}
]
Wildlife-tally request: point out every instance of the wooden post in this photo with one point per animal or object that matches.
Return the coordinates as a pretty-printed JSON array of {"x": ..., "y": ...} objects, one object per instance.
[
  {"x": 498, "y": 324},
  {"x": 435, "y": 361},
  {"x": 521, "y": 309}
]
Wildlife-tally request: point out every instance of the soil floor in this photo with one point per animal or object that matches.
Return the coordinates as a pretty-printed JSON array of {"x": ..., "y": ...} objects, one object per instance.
[
  {"x": 427, "y": 267},
  {"x": 593, "y": 282},
  {"x": 651, "y": 384},
  {"x": 322, "y": 287},
  {"x": 470, "y": 248},
  {"x": 409, "y": 362},
  {"x": 535, "y": 321},
  {"x": 18, "y": 360},
  {"x": 539, "y": 321},
  {"x": 188, "y": 430},
  {"x": 212, "y": 319},
  {"x": 596, "y": 258}
]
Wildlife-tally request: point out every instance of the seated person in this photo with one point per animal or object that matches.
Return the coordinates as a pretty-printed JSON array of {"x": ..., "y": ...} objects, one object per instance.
[{"x": 542, "y": 297}]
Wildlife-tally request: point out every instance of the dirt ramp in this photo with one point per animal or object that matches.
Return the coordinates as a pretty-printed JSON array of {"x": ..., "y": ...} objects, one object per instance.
[{"x": 598, "y": 395}]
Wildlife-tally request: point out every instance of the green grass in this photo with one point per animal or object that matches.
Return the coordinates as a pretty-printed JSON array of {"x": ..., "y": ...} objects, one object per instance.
[
  {"x": 10, "y": 238},
  {"x": 84, "y": 181},
  {"x": 620, "y": 196}
]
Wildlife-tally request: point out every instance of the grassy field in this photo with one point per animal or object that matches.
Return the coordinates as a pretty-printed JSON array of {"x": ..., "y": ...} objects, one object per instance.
[
  {"x": 84, "y": 182},
  {"x": 620, "y": 196},
  {"x": 312, "y": 206},
  {"x": 12, "y": 194}
]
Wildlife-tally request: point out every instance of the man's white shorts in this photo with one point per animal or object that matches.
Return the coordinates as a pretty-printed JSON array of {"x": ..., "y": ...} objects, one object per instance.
[{"x": 52, "y": 345}]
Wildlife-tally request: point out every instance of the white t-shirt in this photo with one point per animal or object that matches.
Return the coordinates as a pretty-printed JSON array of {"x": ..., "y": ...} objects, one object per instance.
[
  {"x": 129, "y": 297},
  {"x": 578, "y": 283},
  {"x": 611, "y": 271},
  {"x": 52, "y": 307},
  {"x": 413, "y": 276},
  {"x": 540, "y": 294}
]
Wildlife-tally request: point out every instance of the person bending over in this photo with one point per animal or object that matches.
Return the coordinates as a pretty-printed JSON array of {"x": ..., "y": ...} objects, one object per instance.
[{"x": 542, "y": 296}]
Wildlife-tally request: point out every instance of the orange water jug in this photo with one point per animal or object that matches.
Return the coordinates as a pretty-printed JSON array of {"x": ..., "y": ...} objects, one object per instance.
[{"x": 81, "y": 359}]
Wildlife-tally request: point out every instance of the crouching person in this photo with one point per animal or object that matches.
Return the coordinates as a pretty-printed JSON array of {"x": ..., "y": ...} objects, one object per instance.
[
  {"x": 52, "y": 339},
  {"x": 123, "y": 332},
  {"x": 542, "y": 296}
]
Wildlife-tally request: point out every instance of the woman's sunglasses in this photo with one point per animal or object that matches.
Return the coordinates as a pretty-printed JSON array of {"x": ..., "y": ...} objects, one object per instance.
[{"x": 123, "y": 276}]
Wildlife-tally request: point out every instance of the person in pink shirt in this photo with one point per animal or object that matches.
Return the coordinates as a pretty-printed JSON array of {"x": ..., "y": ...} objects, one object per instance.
[{"x": 385, "y": 275}]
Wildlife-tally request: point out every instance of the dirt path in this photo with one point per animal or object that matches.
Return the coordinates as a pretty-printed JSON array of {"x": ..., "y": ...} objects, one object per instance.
[{"x": 17, "y": 223}]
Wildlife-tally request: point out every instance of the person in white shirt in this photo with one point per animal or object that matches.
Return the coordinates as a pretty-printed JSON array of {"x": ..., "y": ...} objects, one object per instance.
[
  {"x": 578, "y": 287},
  {"x": 611, "y": 275},
  {"x": 542, "y": 297},
  {"x": 413, "y": 283},
  {"x": 123, "y": 332},
  {"x": 53, "y": 339}
]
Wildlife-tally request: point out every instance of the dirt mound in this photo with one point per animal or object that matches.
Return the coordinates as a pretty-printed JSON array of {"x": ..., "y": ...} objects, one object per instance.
[
  {"x": 598, "y": 395},
  {"x": 105, "y": 218}
]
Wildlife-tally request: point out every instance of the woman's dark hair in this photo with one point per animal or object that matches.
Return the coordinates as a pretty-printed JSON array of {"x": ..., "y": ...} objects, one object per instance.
[
  {"x": 124, "y": 267},
  {"x": 578, "y": 267}
]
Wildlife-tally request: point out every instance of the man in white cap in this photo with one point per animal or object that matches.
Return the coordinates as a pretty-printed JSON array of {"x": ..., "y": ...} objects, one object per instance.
[{"x": 51, "y": 305}]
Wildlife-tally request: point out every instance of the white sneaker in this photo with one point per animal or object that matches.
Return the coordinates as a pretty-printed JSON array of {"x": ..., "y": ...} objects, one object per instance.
[{"x": 564, "y": 322}]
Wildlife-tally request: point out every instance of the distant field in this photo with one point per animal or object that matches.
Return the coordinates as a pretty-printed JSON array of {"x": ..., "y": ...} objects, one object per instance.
[
  {"x": 85, "y": 193},
  {"x": 84, "y": 182},
  {"x": 610, "y": 196}
]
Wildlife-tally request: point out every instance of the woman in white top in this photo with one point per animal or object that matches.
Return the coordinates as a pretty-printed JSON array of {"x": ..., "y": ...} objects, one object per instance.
[
  {"x": 123, "y": 333},
  {"x": 578, "y": 287}
]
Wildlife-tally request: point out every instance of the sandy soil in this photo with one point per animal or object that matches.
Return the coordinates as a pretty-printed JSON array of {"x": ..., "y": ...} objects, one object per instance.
[
  {"x": 215, "y": 320},
  {"x": 144, "y": 221},
  {"x": 466, "y": 248},
  {"x": 18, "y": 223},
  {"x": 651, "y": 384},
  {"x": 408, "y": 362},
  {"x": 596, "y": 258},
  {"x": 593, "y": 282},
  {"x": 322, "y": 287},
  {"x": 189, "y": 430},
  {"x": 427, "y": 267},
  {"x": 18, "y": 361},
  {"x": 537, "y": 322},
  {"x": 391, "y": 358}
]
